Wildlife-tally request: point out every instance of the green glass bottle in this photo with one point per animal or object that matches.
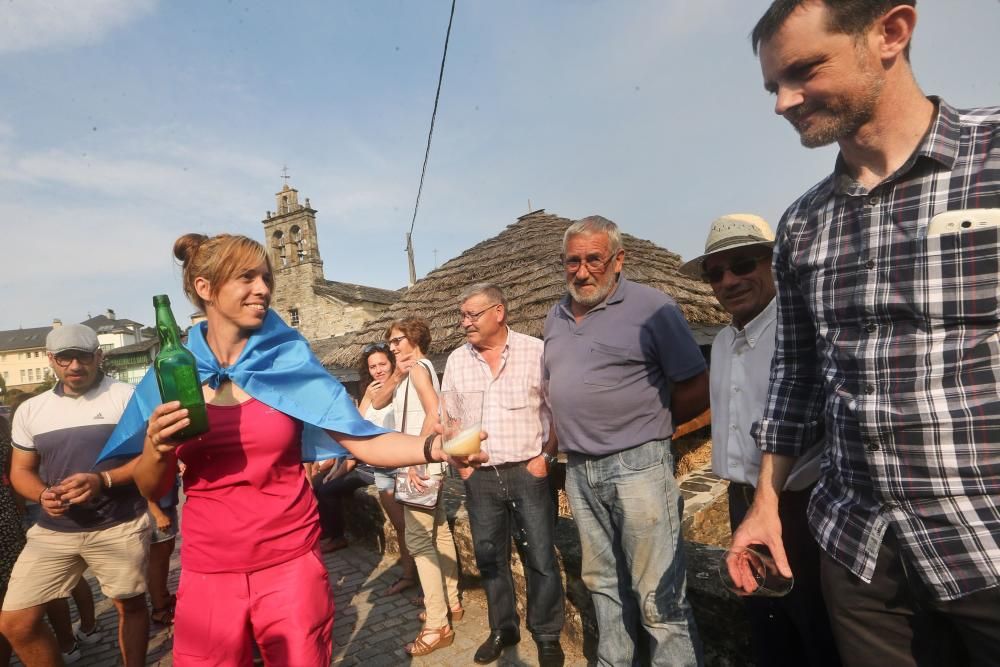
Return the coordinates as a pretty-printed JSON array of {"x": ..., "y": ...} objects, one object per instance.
[{"x": 177, "y": 371}]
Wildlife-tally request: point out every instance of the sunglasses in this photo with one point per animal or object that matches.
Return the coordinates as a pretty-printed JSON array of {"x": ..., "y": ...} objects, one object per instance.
[
  {"x": 742, "y": 266},
  {"x": 381, "y": 346}
]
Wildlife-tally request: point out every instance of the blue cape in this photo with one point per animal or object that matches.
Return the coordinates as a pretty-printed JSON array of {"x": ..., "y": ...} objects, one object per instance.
[{"x": 277, "y": 368}]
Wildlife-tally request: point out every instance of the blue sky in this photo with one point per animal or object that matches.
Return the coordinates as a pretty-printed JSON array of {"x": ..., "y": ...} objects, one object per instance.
[{"x": 127, "y": 123}]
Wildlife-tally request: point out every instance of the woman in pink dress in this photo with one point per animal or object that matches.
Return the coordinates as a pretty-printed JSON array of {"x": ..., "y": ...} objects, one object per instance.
[{"x": 251, "y": 568}]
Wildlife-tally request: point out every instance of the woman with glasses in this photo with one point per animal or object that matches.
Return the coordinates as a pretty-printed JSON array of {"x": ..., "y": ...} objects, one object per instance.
[
  {"x": 428, "y": 536},
  {"x": 252, "y": 571},
  {"x": 335, "y": 481}
]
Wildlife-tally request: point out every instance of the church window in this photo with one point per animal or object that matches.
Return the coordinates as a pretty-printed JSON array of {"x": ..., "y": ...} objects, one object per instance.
[{"x": 293, "y": 317}]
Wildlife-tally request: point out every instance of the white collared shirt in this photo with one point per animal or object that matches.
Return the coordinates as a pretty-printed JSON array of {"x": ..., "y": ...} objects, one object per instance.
[{"x": 738, "y": 380}]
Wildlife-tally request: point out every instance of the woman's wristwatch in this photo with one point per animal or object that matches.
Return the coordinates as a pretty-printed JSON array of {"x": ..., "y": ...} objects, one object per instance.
[{"x": 550, "y": 459}]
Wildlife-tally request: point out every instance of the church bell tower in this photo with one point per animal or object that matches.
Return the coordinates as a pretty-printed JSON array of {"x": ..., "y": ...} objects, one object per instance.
[{"x": 290, "y": 237}]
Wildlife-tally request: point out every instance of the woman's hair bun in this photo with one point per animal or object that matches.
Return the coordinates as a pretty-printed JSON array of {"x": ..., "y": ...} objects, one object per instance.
[{"x": 186, "y": 246}]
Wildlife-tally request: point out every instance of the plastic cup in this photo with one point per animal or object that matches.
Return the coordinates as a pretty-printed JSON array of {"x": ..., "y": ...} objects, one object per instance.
[
  {"x": 755, "y": 573},
  {"x": 462, "y": 420}
]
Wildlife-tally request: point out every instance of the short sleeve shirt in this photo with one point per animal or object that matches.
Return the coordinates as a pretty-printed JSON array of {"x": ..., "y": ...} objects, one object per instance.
[
  {"x": 68, "y": 433},
  {"x": 609, "y": 376}
]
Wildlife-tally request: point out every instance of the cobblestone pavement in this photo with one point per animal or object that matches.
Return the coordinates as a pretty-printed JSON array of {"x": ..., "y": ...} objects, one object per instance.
[{"x": 369, "y": 629}]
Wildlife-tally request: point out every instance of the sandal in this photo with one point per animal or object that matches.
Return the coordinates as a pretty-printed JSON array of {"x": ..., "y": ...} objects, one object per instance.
[
  {"x": 162, "y": 616},
  {"x": 454, "y": 614},
  {"x": 420, "y": 646},
  {"x": 400, "y": 585}
]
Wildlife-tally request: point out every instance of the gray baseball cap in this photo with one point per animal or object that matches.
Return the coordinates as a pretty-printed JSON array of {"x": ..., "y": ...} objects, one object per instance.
[{"x": 72, "y": 337}]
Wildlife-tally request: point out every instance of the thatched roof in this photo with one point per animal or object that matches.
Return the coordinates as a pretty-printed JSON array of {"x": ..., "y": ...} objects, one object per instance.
[{"x": 523, "y": 260}]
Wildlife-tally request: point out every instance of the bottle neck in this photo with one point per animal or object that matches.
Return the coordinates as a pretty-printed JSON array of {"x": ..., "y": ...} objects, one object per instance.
[{"x": 166, "y": 327}]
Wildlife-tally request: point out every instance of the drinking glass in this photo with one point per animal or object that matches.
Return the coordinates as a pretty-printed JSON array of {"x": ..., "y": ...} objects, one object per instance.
[
  {"x": 462, "y": 420},
  {"x": 757, "y": 574}
]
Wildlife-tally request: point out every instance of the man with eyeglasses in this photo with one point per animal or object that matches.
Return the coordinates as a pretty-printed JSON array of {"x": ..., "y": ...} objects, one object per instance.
[
  {"x": 92, "y": 516},
  {"x": 622, "y": 370},
  {"x": 511, "y": 495},
  {"x": 794, "y": 629}
]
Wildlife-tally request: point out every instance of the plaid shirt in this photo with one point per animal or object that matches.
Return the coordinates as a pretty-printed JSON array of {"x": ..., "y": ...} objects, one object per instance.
[
  {"x": 515, "y": 414},
  {"x": 888, "y": 341}
]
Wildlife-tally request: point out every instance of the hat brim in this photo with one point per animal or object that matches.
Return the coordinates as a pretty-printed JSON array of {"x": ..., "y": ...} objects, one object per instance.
[{"x": 693, "y": 267}]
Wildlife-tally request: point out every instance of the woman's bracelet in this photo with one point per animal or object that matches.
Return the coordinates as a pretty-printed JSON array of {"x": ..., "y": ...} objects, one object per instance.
[
  {"x": 428, "y": 445},
  {"x": 106, "y": 476}
]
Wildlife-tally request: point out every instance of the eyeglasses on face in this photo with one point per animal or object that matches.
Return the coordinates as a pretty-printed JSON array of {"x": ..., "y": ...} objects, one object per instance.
[
  {"x": 64, "y": 359},
  {"x": 741, "y": 266},
  {"x": 395, "y": 341},
  {"x": 380, "y": 346},
  {"x": 594, "y": 263},
  {"x": 474, "y": 317}
]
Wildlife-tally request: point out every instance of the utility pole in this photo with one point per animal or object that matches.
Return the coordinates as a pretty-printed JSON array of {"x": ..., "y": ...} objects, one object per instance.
[{"x": 409, "y": 259}]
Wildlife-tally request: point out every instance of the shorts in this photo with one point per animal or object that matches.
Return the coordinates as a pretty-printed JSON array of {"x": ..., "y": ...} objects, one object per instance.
[
  {"x": 52, "y": 563},
  {"x": 156, "y": 536},
  {"x": 385, "y": 480}
]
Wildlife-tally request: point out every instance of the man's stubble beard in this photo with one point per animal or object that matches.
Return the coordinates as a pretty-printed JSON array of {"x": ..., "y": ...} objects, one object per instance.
[
  {"x": 846, "y": 115},
  {"x": 590, "y": 301}
]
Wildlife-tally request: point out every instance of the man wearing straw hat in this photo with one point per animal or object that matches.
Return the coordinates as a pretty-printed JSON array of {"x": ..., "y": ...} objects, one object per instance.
[
  {"x": 511, "y": 495},
  {"x": 794, "y": 629}
]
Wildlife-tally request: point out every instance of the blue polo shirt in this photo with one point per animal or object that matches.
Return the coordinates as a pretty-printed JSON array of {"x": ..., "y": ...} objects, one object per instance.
[{"x": 609, "y": 376}]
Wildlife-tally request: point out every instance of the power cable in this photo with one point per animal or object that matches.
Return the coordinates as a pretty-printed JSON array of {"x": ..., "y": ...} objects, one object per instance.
[{"x": 427, "y": 150}]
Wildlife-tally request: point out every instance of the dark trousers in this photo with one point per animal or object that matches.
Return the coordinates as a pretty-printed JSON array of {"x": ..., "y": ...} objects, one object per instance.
[
  {"x": 330, "y": 496},
  {"x": 794, "y": 629},
  {"x": 892, "y": 622},
  {"x": 506, "y": 501}
]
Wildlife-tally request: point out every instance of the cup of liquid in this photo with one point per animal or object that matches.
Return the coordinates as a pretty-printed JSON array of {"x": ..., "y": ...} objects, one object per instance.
[
  {"x": 462, "y": 420},
  {"x": 751, "y": 571}
]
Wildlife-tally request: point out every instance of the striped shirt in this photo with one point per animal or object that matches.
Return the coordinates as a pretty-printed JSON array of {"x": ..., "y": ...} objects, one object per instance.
[
  {"x": 515, "y": 414},
  {"x": 887, "y": 341}
]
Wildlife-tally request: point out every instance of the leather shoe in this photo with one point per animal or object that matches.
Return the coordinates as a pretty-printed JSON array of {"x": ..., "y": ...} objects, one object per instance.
[
  {"x": 550, "y": 653},
  {"x": 493, "y": 646}
]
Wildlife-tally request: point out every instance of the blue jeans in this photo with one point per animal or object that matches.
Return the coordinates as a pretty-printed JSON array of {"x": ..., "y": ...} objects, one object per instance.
[
  {"x": 628, "y": 510},
  {"x": 509, "y": 501}
]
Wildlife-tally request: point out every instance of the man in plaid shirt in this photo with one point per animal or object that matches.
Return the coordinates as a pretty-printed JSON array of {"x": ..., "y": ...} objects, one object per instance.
[
  {"x": 886, "y": 341},
  {"x": 510, "y": 496}
]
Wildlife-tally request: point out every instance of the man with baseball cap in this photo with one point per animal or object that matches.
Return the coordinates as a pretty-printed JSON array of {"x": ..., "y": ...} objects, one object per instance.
[
  {"x": 93, "y": 516},
  {"x": 792, "y": 630}
]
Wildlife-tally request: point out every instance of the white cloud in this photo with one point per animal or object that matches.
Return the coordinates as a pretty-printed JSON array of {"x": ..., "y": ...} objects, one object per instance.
[{"x": 31, "y": 25}]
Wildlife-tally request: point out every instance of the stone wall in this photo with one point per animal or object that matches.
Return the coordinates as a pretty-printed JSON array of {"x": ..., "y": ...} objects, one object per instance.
[
  {"x": 319, "y": 316},
  {"x": 717, "y": 612}
]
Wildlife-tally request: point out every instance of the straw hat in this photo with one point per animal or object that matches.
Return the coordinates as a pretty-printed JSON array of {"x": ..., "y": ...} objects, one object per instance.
[{"x": 731, "y": 231}]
